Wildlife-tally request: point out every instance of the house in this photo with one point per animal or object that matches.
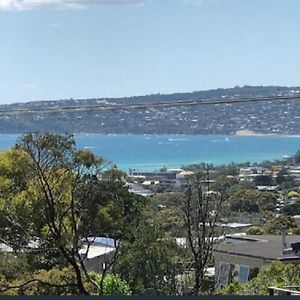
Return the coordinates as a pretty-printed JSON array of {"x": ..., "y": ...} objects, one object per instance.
[
  {"x": 295, "y": 172},
  {"x": 268, "y": 188},
  {"x": 138, "y": 189},
  {"x": 297, "y": 219},
  {"x": 245, "y": 172},
  {"x": 97, "y": 253},
  {"x": 251, "y": 173},
  {"x": 240, "y": 257},
  {"x": 236, "y": 225}
]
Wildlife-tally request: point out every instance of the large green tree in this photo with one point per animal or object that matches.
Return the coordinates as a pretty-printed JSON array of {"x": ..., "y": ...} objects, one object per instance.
[
  {"x": 253, "y": 201},
  {"x": 274, "y": 226},
  {"x": 54, "y": 197},
  {"x": 148, "y": 261},
  {"x": 202, "y": 209}
]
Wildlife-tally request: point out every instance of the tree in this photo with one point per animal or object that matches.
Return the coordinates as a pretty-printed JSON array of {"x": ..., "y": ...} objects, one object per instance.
[
  {"x": 255, "y": 230},
  {"x": 297, "y": 157},
  {"x": 292, "y": 209},
  {"x": 147, "y": 261},
  {"x": 263, "y": 180},
  {"x": 57, "y": 281},
  {"x": 43, "y": 204},
  {"x": 226, "y": 182},
  {"x": 293, "y": 194},
  {"x": 253, "y": 201},
  {"x": 242, "y": 185},
  {"x": 62, "y": 281},
  {"x": 282, "y": 176},
  {"x": 267, "y": 201},
  {"x": 274, "y": 225},
  {"x": 244, "y": 201},
  {"x": 202, "y": 209},
  {"x": 166, "y": 207},
  {"x": 231, "y": 170},
  {"x": 113, "y": 285}
]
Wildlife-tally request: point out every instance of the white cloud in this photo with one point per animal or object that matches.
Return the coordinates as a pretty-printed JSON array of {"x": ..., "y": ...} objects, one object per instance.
[
  {"x": 197, "y": 2},
  {"x": 30, "y": 86},
  {"x": 19, "y": 5},
  {"x": 55, "y": 25}
]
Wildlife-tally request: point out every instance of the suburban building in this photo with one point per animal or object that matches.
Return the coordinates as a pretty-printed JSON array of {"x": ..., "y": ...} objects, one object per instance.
[
  {"x": 139, "y": 189},
  {"x": 268, "y": 188},
  {"x": 240, "y": 257},
  {"x": 295, "y": 172},
  {"x": 160, "y": 179},
  {"x": 98, "y": 253}
]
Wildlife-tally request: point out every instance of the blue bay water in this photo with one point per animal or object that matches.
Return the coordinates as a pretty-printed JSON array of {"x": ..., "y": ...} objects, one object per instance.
[{"x": 151, "y": 152}]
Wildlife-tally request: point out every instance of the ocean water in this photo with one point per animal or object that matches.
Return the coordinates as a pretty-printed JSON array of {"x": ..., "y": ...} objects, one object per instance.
[{"x": 151, "y": 152}]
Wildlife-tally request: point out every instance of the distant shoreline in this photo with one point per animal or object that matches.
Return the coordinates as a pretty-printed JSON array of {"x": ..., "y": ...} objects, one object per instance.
[
  {"x": 152, "y": 152},
  {"x": 247, "y": 132},
  {"x": 238, "y": 133}
]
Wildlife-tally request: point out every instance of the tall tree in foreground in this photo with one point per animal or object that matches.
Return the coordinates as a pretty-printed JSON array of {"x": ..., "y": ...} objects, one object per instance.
[
  {"x": 147, "y": 261},
  {"x": 54, "y": 198},
  {"x": 202, "y": 208}
]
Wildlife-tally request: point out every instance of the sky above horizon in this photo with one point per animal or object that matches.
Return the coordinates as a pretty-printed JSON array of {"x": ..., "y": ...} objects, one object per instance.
[{"x": 61, "y": 49}]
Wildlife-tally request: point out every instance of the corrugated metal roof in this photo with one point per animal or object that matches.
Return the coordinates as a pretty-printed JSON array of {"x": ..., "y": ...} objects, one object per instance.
[
  {"x": 260, "y": 246},
  {"x": 95, "y": 251}
]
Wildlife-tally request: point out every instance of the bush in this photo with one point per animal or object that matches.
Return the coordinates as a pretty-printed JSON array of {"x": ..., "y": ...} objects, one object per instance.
[
  {"x": 255, "y": 230},
  {"x": 292, "y": 194},
  {"x": 113, "y": 285},
  {"x": 275, "y": 274},
  {"x": 274, "y": 226},
  {"x": 61, "y": 282}
]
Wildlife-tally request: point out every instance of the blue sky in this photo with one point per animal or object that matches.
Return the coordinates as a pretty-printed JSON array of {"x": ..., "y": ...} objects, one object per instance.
[{"x": 58, "y": 49}]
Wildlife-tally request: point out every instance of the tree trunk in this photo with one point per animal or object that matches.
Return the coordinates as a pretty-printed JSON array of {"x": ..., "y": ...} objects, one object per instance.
[
  {"x": 197, "y": 281},
  {"x": 77, "y": 270},
  {"x": 80, "y": 285}
]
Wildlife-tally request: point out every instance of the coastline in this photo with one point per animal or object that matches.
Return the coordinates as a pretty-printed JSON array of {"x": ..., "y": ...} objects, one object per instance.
[
  {"x": 238, "y": 133},
  {"x": 249, "y": 133},
  {"x": 154, "y": 151}
]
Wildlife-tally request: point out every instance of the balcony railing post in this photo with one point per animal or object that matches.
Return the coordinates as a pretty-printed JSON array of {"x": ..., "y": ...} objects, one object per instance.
[{"x": 271, "y": 291}]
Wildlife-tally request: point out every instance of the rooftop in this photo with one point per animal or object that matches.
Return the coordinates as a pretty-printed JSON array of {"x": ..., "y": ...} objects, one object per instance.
[
  {"x": 99, "y": 246},
  {"x": 259, "y": 246}
]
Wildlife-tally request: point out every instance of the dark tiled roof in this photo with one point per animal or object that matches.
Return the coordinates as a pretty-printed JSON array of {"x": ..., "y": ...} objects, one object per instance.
[{"x": 260, "y": 246}]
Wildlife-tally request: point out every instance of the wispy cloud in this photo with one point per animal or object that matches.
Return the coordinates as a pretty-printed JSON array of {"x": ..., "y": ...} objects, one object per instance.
[
  {"x": 197, "y": 2},
  {"x": 30, "y": 86},
  {"x": 55, "y": 25},
  {"x": 19, "y": 5}
]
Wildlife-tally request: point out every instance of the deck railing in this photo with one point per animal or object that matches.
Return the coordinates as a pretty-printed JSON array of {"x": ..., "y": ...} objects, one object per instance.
[{"x": 287, "y": 291}]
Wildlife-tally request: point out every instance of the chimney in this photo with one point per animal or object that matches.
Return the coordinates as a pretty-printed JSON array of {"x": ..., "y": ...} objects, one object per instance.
[
  {"x": 296, "y": 248},
  {"x": 283, "y": 232}
]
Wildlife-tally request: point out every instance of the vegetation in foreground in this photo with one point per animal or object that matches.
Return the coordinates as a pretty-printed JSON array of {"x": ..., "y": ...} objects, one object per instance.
[
  {"x": 276, "y": 274},
  {"x": 55, "y": 198}
]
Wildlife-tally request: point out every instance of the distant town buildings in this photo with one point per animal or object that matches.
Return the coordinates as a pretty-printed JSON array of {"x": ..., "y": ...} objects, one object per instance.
[{"x": 146, "y": 183}]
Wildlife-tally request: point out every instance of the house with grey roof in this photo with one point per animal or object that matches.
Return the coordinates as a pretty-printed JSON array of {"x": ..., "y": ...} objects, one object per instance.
[{"x": 239, "y": 257}]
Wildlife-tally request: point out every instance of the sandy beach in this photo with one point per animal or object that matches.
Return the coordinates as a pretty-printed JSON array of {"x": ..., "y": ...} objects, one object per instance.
[{"x": 247, "y": 132}]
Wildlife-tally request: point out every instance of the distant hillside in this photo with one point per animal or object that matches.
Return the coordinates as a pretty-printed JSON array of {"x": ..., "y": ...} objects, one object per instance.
[{"x": 280, "y": 117}]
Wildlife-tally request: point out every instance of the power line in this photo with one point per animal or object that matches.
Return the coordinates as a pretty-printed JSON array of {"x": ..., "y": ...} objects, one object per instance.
[{"x": 95, "y": 108}]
